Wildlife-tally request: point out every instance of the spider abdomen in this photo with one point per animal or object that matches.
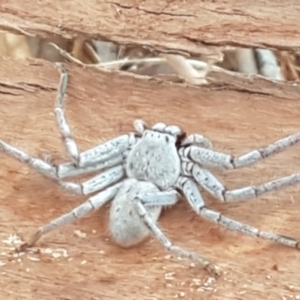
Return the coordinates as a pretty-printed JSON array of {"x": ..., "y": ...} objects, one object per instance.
[
  {"x": 125, "y": 224},
  {"x": 155, "y": 159}
]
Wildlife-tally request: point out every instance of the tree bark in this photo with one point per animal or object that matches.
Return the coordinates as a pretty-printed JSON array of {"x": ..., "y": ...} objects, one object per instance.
[
  {"x": 188, "y": 26},
  {"x": 100, "y": 106}
]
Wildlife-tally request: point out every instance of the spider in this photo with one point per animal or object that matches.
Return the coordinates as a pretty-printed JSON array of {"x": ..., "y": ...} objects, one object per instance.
[{"x": 145, "y": 171}]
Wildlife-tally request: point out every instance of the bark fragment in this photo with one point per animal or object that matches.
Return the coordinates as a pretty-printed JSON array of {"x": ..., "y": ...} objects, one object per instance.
[{"x": 180, "y": 26}]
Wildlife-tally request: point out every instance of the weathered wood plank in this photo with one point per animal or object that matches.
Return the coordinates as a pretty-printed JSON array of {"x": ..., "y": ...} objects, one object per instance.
[
  {"x": 103, "y": 105},
  {"x": 177, "y": 25}
]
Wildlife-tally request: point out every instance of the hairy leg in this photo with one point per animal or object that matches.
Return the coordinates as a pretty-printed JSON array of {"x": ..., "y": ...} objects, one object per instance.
[
  {"x": 191, "y": 192},
  {"x": 93, "y": 203},
  {"x": 54, "y": 171},
  {"x": 209, "y": 182},
  {"x": 92, "y": 156},
  {"x": 141, "y": 206},
  {"x": 210, "y": 158}
]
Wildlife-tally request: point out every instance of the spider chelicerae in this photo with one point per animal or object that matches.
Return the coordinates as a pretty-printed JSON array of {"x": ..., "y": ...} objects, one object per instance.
[{"x": 145, "y": 171}]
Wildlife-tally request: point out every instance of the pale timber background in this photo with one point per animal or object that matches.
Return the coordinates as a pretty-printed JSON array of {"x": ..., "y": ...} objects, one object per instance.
[{"x": 240, "y": 116}]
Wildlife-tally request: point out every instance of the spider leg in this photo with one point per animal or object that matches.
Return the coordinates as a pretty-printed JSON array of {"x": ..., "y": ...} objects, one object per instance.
[
  {"x": 57, "y": 171},
  {"x": 63, "y": 126},
  {"x": 92, "y": 156},
  {"x": 210, "y": 158},
  {"x": 69, "y": 169},
  {"x": 191, "y": 192},
  {"x": 163, "y": 198},
  {"x": 96, "y": 183},
  {"x": 141, "y": 203},
  {"x": 210, "y": 183},
  {"x": 38, "y": 164},
  {"x": 197, "y": 140},
  {"x": 107, "y": 150},
  {"x": 93, "y": 203}
]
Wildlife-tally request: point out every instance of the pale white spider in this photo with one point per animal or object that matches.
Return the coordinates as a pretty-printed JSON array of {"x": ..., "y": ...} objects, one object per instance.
[{"x": 143, "y": 172}]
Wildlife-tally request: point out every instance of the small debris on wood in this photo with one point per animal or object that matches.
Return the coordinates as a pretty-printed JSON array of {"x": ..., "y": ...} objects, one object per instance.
[
  {"x": 33, "y": 258},
  {"x": 80, "y": 233},
  {"x": 2, "y": 263},
  {"x": 170, "y": 276},
  {"x": 12, "y": 239}
]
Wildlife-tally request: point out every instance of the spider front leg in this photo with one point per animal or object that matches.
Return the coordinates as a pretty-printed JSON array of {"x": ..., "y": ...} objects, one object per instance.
[
  {"x": 96, "y": 183},
  {"x": 93, "y": 203},
  {"x": 105, "y": 155},
  {"x": 160, "y": 199},
  {"x": 191, "y": 192},
  {"x": 210, "y": 158},
  {"x": 210, "y": 183},
  {"x": 63, "y": 126},
  {"x": 197, "y": 140},
  {"x": 114, "y": 173},
  {"x": 92, "y": 156}
]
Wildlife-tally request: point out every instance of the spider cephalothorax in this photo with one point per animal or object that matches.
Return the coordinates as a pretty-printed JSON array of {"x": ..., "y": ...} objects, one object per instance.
[
  {"x": 143, "y": 172},
  {"x": 155, "y": 157}
]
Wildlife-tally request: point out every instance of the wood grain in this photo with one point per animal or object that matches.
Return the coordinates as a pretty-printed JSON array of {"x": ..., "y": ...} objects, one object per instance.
[
  {"x": 188, "y": 25},
  {"x": 102, "y": 105}
]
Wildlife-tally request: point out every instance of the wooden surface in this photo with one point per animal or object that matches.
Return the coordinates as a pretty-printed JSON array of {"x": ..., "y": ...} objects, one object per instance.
[
  {"x": 177, "y": 25},
  {"x": 101, "y": 106}
]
